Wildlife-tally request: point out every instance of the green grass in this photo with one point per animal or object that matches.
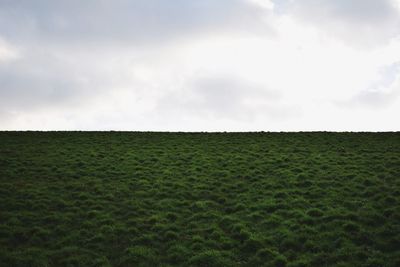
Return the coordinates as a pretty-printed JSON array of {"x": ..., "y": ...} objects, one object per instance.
[{"x": 197, "y": 199}]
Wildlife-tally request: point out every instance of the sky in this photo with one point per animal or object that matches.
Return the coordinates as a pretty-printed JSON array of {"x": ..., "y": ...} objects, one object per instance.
[{"x": 200, "y": 65}]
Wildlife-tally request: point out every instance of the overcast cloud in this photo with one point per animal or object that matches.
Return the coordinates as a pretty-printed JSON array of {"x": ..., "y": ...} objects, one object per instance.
[{"x": 201, "y": 65}]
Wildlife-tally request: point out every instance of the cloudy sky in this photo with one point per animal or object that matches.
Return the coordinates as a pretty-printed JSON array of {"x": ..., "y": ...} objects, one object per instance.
[{"x": 200, "y": 65}]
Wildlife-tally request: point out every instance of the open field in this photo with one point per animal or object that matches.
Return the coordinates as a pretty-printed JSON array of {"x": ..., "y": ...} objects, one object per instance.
[{"x": 196, "y": 199}]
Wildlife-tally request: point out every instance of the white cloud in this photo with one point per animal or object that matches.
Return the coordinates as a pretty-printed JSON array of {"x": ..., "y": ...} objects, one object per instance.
[
  {"x": 128, "y": 22},
  {"x": 221, "y": 96},
  {"x": 266, "y": 4},
  {"x": 199, "y": 65},
  {"x": 8, "y": 52},
  {"x": 381, "y": 93},
  {"x": 361, "y": 23}
]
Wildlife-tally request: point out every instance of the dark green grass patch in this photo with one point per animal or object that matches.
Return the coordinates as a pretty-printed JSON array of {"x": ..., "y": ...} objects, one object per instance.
[{"x": 199, "y": 199}]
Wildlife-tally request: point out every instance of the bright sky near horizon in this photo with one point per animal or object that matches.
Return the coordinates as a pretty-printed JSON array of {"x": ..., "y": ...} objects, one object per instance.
[{"x": 200, "y": 65}]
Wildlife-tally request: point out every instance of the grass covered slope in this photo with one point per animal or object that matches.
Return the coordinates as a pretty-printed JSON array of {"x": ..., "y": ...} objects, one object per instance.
[{"x": 168, "y": 199}]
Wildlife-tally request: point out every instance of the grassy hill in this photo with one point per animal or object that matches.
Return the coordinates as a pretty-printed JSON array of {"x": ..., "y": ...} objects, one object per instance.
[{"x": 199, "y": 199}]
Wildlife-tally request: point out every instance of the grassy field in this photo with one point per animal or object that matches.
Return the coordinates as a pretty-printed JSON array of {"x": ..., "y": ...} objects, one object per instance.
[{"x": 197, "y": 199}]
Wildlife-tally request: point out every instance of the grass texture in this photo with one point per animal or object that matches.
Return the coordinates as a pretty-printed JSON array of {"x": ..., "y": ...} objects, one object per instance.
[{"x": 199, "y": 199}]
